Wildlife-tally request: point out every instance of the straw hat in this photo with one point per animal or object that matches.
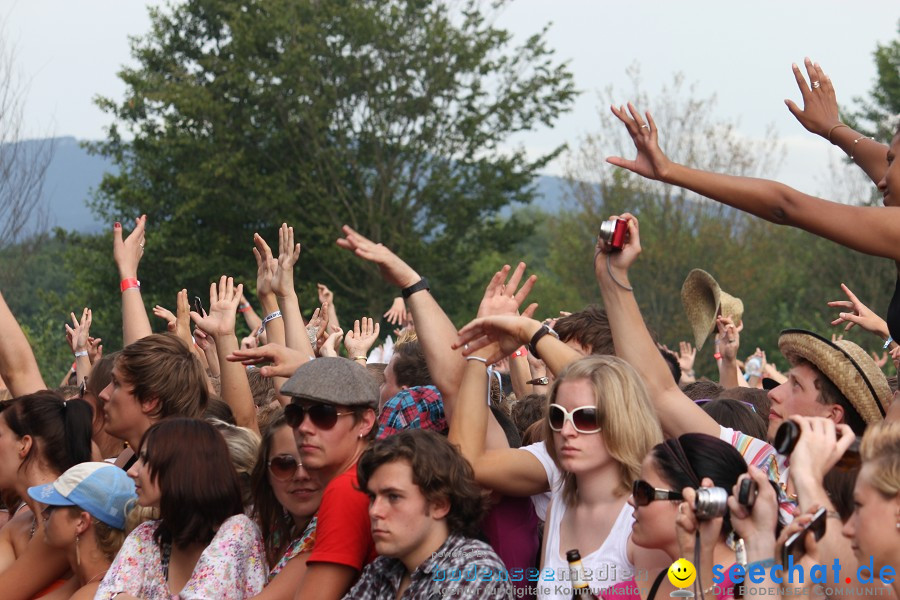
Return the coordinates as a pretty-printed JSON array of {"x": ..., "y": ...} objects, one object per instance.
[
  {"x": 703, "y": 300},
  {"x": 848, "y": 367}
]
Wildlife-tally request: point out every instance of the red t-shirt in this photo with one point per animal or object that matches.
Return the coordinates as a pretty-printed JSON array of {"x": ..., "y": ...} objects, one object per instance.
[{"x": 343, "y": 529}]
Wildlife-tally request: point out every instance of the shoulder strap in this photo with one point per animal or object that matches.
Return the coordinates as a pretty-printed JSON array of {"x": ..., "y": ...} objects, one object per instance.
[{"x": 656, "y": 584}]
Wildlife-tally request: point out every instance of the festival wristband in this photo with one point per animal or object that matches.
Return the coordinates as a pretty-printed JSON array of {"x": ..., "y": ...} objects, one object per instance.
[{"x": 129, "y": 283}]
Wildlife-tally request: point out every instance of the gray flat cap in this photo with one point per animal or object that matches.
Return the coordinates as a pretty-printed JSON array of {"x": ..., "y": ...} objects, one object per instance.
[{"x": 333, "y": 381}]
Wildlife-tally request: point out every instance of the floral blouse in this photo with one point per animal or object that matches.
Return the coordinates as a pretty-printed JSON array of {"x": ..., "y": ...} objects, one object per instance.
[
  {"x": 232, "y": 567},
  {"x": 299, "y": 545}
]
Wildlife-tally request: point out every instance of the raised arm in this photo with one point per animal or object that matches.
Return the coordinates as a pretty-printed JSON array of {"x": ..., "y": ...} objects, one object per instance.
[
  {"x": 820, "y": 115},
  {"x": 266, "y": 265},
  {"x": 677, "y": 413},
  {"x": 434, "y": 329},
  {"x": 283, "y": 286},
  {"x": 77, "y": 335},
  {"x": 326, "y": 295},
  {"x": 219, "y": 323},
  {"x": 18, "y": 367},
  {"x": 127, "y": 254},
  {"x": 766, "y": 199}
]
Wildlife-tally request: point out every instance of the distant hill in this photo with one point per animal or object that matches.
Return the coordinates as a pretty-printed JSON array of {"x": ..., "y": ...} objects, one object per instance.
[{"x": 73, "y": 173}]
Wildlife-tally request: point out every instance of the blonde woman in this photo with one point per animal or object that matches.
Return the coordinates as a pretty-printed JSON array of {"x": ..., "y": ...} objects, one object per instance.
[
  {"x": 598, "y": 428},
  {"x": 877, "y": 501}
]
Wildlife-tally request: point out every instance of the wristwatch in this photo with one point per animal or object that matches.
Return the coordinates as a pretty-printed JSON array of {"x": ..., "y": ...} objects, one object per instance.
[
  {"x": 532, "y": 345},
  {"x": 539, "y": 381}
]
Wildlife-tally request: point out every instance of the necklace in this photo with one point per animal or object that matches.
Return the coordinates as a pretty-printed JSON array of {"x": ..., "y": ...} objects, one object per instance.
[
  {"x": 33, "y": 525},
  {"x": 95, "y": 577}
]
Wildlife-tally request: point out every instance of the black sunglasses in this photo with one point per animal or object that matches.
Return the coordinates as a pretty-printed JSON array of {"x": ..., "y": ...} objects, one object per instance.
[
  {"x": 323, "y": 416},
  {"x": 644, "y": 493},
  {"x": 283, "y": 467}
]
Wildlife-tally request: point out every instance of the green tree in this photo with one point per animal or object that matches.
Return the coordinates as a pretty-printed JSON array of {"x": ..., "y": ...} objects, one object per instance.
[
  {"x": 876, "y": 114},
  {"x": 388, "y": 115}
]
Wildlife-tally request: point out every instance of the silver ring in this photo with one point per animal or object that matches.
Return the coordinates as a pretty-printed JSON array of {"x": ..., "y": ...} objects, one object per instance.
[
  {"x": 142, "y": 245},
  {"x": 645, "y": 125},
  {"x": 816, "y": 85}
]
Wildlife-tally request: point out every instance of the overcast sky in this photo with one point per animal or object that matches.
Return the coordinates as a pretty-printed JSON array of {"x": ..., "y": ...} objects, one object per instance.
[{"x": 742, "y": 51}]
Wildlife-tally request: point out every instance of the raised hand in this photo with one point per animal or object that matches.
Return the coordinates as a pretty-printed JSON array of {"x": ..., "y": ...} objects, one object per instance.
[
  {"x": 509, "y": 332},
  {"x": 396, "y": 314},
  {"x": 393, "y": 270},
  {"x": 164, "y": 313},
  {"x": 266, "y": 265},
  {"x": 686, "y": 355},
  {"x": 882, "y": 360},
  {"x": 855, "y": 312},
  {"x": 503, "y": 297},
  {"x": 128, "y": 252},
  {"x": 223, "y": 301},
  {"x": 728, "y": 338},
  {"x": 78, "y": 334},
  {"x": 360, "y": 339},
  {"x": 757, "y": 525},
  {"x": 95, "y": 349},
  {"x": 820, "y": 113},
  {"x": 607, "y": 260},
  {"x": 650, "y": 161},
  {"x": 332, "y": 344},
  {"x": 284, "y": 360},
  {"x": 183, "y": 318},
  {"x": 288, "y": 254},
  {"x": 317, "y": 328},
  {"x": 325, "y": 295}
]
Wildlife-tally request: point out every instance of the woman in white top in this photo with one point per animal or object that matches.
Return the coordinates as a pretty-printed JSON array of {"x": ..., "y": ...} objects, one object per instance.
[{"x": 599, "y": 427}]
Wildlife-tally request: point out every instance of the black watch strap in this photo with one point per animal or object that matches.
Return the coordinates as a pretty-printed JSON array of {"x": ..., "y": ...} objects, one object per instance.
[
  {"x": 532, "y": 345},
  {"x": 422, "y": 284}
]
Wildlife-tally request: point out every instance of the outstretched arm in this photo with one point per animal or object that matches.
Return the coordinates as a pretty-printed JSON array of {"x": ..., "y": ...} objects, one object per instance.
[
  {"x": 764, "y": 198},
  {"x": 18, "y": 367},
  {"x": 433, "y": 327},
  {"x": 677, "y": 413},
  {"x": 127, "y": 254}
]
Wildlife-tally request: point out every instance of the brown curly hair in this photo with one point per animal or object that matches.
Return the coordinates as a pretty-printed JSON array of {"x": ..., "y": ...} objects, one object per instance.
[{"x": 438, "y": 469}]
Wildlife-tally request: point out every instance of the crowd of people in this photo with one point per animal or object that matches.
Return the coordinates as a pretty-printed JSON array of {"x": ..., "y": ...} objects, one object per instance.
[{"x": 512, "y": 458}]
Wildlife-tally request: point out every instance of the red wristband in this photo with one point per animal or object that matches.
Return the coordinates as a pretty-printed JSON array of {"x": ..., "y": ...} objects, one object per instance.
[
  {"x": 717, "y": 356},
  {"x": 128, "y": 283},
  {"x": 522, "y": 351},
  {"x": 245, "y": 308}
]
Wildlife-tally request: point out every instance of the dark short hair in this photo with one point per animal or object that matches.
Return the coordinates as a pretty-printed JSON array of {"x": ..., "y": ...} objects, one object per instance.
[
  {"x": 528, "y": 410},
  {"x": 61, "y": 430},
  {"x": 410, "y": 367},
  {"x": 755, "y": 396},
  {"x": 198, "y": 485},
  {"x": 706, "y": 456},
  {"x": 588, "y": 327},
  {"x": 161, "y": 366},
  {"x": 830, "y": 394},
  {"x": 740, "y": 417},
  {"x": 439, "y": 471},
  {"x": 703, "y": 390}
]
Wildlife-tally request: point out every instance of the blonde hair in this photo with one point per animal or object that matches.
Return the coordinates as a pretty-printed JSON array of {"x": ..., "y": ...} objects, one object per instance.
[
  {"x": 880, "y": 451},
  {"x": 109, "y": 539},
  {"x": 628, "y": 423},
  {"x": 243, "y": 446}
]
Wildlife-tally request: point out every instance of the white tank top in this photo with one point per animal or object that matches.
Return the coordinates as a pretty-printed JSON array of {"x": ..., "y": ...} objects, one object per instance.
[{"x": 606, "y": 566}]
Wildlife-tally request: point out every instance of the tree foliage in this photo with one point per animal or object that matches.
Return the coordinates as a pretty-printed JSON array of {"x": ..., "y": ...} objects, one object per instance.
[
  {"x": 877, "y": 114},
  {"x": 387, "y": 115}
]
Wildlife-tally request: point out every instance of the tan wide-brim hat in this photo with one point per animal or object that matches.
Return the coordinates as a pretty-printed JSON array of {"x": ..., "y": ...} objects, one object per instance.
[
  {"x": 703, "y": 300},
  {"x": 848, "y": 367}
]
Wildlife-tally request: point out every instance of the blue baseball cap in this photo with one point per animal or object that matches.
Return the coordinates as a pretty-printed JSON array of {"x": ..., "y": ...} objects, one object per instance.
[{"x": 103, "y": 490}]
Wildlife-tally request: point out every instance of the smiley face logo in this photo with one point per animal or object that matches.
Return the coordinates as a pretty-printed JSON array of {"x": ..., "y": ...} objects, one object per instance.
[{"x": 682, "y": 573}]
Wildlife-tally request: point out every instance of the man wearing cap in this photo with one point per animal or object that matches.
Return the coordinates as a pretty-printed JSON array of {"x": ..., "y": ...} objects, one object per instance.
[{"x": 332, "y": 413}]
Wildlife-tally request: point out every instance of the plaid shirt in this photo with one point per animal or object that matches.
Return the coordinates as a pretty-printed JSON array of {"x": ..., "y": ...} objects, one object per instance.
[
  {"x": 462, "y": 568},
  {"x": 419, "y": 407}
]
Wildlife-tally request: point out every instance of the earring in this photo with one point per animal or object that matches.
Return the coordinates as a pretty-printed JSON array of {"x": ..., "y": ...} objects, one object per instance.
[
  {"x": 77, "y": 552},
  {"x": 359, "y": 437}
]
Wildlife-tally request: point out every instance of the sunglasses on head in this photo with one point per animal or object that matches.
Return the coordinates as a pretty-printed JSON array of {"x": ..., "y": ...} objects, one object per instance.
[
  {"x": 283, "y": 467},
  {"x": 644, "y": 493},
  {"x": 583, "y": 418},
  {"x": 323, "y": 416}
]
